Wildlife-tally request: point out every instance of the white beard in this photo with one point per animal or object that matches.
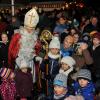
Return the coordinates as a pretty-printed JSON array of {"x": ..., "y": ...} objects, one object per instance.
[
  {"x": 26, "y": 52},
  {"x": 27, "y": 43}
]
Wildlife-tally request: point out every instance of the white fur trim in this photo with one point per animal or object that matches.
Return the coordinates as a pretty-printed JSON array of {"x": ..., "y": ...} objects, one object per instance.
[{"x": 53, "y": 56}]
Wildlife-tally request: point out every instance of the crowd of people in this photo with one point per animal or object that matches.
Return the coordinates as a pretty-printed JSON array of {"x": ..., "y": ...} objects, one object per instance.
[{"x": 62, "y": 66}]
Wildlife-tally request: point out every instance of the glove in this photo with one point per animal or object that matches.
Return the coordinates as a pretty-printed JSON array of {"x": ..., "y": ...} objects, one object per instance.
[{"x": 39, "y": 59}]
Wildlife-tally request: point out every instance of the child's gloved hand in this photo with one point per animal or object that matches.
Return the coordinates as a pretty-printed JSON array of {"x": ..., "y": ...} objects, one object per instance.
[{"x": 39, "y": 59}]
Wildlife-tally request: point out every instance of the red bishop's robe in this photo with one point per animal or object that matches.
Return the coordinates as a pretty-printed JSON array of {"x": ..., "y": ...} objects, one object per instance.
[{"x": 13, "y": 50}]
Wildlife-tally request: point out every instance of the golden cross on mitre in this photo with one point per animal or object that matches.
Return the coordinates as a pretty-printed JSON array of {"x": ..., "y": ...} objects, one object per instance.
[{"x": 32, "y": 15}]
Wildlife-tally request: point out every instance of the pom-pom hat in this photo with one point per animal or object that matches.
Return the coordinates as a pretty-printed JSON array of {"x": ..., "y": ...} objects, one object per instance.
[
  {"x": 5, "y": 73},
  {"x": 55, "y": 43}
]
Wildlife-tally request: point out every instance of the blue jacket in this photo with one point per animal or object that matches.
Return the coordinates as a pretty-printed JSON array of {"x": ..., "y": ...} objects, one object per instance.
[
  {"x": 87, "y": 92},
  {"x": 60, "y": 28},
  {"x": 53, "y": 67},
  {"x": 66, "y": 52}
]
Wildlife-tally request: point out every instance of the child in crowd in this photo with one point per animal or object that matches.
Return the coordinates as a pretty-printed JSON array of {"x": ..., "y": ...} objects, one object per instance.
[
  {"x": 62, "y": 25},
  {"x": 84, "y": 85},
  {"x": 50, "y": 64},
  {"x": 24, "y": 82},
  {"x": 67, "y": 68},
  {"x": 60, "y": 87},
  {"x": 66, "y": 47},
  {"x": 7, "y": 87},
  {"x": 4, "y": 44},
  {"x": 67, "y": 64}
]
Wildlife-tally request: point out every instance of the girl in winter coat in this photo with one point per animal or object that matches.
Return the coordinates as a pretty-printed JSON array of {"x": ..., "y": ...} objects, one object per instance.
[
  {"x": 52, "y": 62},
  {"x": 67, "y": 68}
]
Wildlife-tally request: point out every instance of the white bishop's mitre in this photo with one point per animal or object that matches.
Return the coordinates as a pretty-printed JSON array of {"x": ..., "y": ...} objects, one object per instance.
[{"x": 31, "y": 19}]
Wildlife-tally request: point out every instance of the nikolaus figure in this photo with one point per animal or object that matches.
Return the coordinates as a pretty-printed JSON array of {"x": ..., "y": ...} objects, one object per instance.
[{"x": 23, "y": 42}]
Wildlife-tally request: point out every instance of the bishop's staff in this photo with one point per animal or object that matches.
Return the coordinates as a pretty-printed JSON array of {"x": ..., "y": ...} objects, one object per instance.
[
  {"x": 12, "y": 7},
  {"x": 45, "y": 37}
]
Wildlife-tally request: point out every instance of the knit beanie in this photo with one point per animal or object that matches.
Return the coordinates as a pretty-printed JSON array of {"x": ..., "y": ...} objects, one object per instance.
[
  {"x": 5, "y": 72},
  {"x": 54, "y": 43},
  {"x": 84, "y": 73},
  {"x": 68, "y": 60},
  {"x": 60, "y": 80}
]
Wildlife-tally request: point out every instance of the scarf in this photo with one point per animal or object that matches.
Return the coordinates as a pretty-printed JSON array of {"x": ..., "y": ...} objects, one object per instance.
[{"x": 66, "y": 72}]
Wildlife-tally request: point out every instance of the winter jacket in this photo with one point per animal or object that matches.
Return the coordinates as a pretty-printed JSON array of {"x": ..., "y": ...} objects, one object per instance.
[
  {"x": 24, "y": 83},
  {"x": 4, "y": 54},
  {"x": 60, "y": 28},
  {"x": 87, "y": 92},
  {"x": 53, "y": 67},
  {"x": 83, "y": 60},
  {"x": 66, "y": 52}
]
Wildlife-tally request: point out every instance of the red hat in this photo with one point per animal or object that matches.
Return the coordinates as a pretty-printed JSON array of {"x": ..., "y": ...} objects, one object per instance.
[{"x": 96, "y": 35}]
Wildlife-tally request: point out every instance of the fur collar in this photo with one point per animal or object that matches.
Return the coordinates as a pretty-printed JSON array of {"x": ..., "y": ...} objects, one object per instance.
[{"x": 53, "y": 56}]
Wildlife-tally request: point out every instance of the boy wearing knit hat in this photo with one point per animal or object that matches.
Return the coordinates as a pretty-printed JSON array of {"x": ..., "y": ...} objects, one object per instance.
[
  {"x": 84, "y": 85},
  {"x": 60, "y": 87}
]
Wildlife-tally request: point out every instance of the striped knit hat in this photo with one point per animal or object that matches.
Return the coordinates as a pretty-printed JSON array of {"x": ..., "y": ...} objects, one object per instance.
[
  {"x": 5, "y": 72},
  {"x": 84, "y": 73}
]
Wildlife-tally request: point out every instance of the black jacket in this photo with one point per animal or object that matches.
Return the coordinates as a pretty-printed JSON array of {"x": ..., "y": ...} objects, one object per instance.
[{"x": 4, "y": 54}]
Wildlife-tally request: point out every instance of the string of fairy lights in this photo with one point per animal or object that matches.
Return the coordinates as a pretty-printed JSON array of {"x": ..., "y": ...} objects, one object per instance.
[{"x": 53, "y": 5}]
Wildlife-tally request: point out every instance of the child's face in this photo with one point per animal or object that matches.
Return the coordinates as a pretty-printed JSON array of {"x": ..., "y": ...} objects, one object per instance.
[
  {"x": 54, "y": 51},
  {"x": 83, "y": 82},
  {"x": 24, "y": 70},
  {"x": 12, "y": 75},
  {"x": 4, "y": 38},
  {"x": 64, "y": 66},
  {"x": 58, "y": 90},
  {"x": 68, "y": 41},
  {"x": 62, "y": 21},
  {"x": 96, "y": 41}
]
